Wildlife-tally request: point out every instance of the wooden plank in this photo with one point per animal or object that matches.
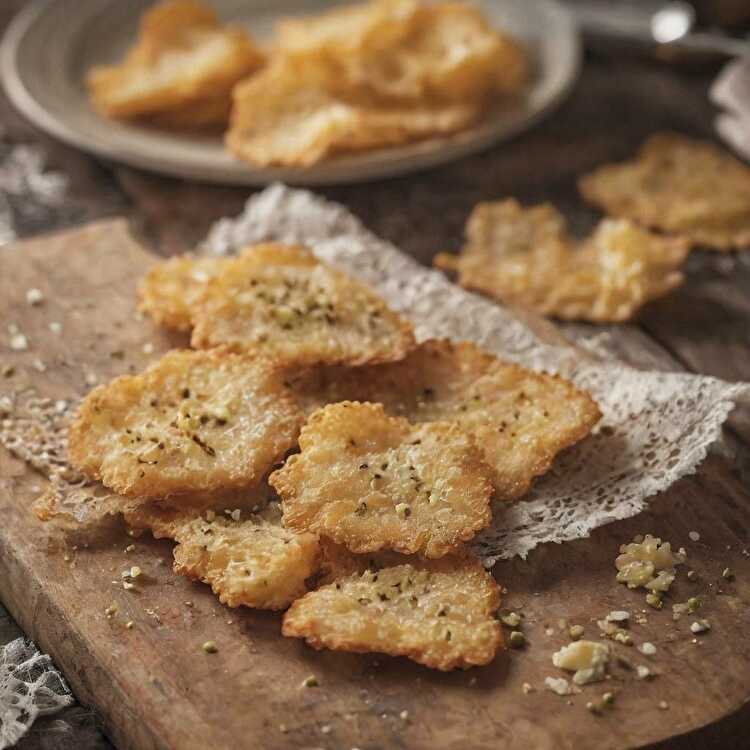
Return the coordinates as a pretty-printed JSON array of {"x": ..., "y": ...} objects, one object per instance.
[{"x": 156, "y": 689}]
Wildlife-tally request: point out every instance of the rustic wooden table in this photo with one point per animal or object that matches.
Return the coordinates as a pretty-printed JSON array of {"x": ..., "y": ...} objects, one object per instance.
[{"x": 703, "y": 328}]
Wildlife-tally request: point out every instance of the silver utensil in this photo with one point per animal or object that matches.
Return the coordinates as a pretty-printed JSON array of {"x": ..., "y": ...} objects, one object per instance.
[{"x": 654, "y": 23}]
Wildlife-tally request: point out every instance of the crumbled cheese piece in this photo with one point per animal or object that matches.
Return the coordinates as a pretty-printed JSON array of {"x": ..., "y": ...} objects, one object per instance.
[
  {"x": 129, "y": 625},
  {"x": 694, "y": 536},
  {"x": 558, "y": 685},
  {"x": 648, "y": 564},
  {"x": 148, "y": 348},
  {"x": 575, "y": 631},
  {"x": 236, "y": 514},
  {"x": 691, "y": 575},
  {"x": 326, "y": 729},
  {"x": 135, "y": 571},
  {"x": 34, "y": 296},
  {"x": 55, "y": 326},
  {"x": 608, "y": 698},
  {"x": 19, "y": 342},
  {"x": 130, "y": 548},
  {"x": 619, "y": 615},
  {"x": 310, "y": 681},
  {"x": 516, "y": 639},
  {"x": 643, "y": 672},
  {"x": 111, "y": 610},
  {"x": 653, "y": 599},
  {"x": 128, "y": 586},
  {"x": 39, "y": 366},
  {"x": 210, "y": 647},
  {"x": 622, "y": 637},
  {"x": 727, "y": 574},
  {"x": 512, "y": 619},
  {"x": 663, "y": 705},
  {"x": 588, "y": 659},
  {"x": 700, "y": 626},
  {"x": 647, "y": 648},
  {"x": 404, "y": 715},
  {"x": 91, "y": 378},
  {"x": 527, "y": 688}
]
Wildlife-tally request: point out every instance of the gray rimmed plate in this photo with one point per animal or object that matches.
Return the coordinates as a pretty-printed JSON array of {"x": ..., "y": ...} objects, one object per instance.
[{"x": 51, "y": 44}]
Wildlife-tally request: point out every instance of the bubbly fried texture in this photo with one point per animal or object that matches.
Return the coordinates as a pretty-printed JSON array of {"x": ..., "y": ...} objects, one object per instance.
[
  {"x": 439, "y": 613},
  {"x": 169, "y": 290},
  {"x": 253, "y": 562},
  {"x": 524, "y": 256},
  {"x": 192, "y": 422},
  {"x": 402, "y": 50},
  {"x": 519, "y": 419},
  {"x": 182, "y": 58},
  {"x": 371, "y": 481},
  {"x": 685, "y": 187},
  {"x": 296, "y": 114},
  {"x": 279, "y": 300}
]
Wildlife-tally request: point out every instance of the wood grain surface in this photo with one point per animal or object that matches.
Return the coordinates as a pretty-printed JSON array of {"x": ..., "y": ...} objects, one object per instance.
[{"x": 155, "y": 688}]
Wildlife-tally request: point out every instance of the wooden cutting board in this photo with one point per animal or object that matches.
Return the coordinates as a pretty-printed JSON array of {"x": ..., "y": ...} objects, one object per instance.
[{"x": 155, "y": 688}]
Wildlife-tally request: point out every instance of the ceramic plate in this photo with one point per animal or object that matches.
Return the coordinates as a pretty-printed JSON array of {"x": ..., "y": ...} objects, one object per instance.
[{"x": 51, "y": 44}]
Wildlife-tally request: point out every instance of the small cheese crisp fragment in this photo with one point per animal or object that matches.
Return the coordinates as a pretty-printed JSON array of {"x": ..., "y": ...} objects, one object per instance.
[
  {"x": 169, "y": 290},
  {"x": 371, "y": 481},
  {"x": 519, "y": 419},
  {"x": 649, "y": 563},
  {"x": 439, "y": 613},
  {"x": 192, "y": 422},
  {"x": 183, "y": 58},
  {"x": 588, "y": 659},
  {"x": 524, "y": 256},
  {"x": 280, "y": 301},
  {"x": 294, "y": 114},
  {"x": 678, "y": 185},
  {"x": 252, "y": 561}
]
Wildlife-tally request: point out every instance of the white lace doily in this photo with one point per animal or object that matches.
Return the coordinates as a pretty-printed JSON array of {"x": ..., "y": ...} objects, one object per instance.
[
  {"x": 656, "y": 428},
  {"x": 30, "y": 686}
]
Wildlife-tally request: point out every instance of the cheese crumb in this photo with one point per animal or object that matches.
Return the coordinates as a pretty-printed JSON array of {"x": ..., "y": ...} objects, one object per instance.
[
  {"x": 663, "y": 705},
  {"x": 516, "y": 639},
  {"x": 512, "y": 619},
  {"x": 148, "y": 348},
  {"x": 210, "y": 647},
  {"x": 55, "y": 326},
  {"x": 649, "y": 564},
  {"x": 19, "y": 342},
  {"x": 642, "y": 672},
  {"x": 700, "y": 626},
  {"x": 694, "y": 536},
  {"x": 236, "y": 514},
  {"x": 588, "y": 659},
  {"x": 404, "y": 715},
  {"x": 647, "y": 648},
  {"x": 34, "y": 296},
  {"x": 559, "y": 685},
  {"x": 310, "y": 681},
  {"x": 619, "y": 615},
  {"x": 575, "y": 632},
  {"x": 527, "y": 688}
]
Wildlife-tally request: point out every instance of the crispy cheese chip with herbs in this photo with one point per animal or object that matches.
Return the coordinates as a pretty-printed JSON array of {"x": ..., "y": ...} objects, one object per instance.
[
  {"x": 681, "y": 186},
  {"x": 439, "y": 613},
  {"x": 184, "y": 62},
  {"x": 519, "y": 419},
  {"x": 279, "y": 300},
  {"x": 170, "y": 289},
  {"x": 524, "y": 256},
  {"x": 296, "y": 114},
  {"x": 193, "y": 422},
  {"x": 247, "y": 559},
  {"x": 371, "y": 481}
]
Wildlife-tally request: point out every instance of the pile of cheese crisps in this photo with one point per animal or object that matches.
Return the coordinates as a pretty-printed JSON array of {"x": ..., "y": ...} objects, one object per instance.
[
  {"x": 359, "y": 77},
  {"x": 308, "y": 455}
]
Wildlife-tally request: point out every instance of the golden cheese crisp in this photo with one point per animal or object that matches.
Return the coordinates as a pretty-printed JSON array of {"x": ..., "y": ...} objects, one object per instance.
[
  {"x": 169, "y": 290},
  {"x": 371, "y": 481},
  {"x": 183, "y": 57},
  {"x": 247, "y": 559},
  {"x": 524, "y": 256},
  {"x": 408, "y": 51},
  {"x": 519, "y": 419},
  {"x": 678, "y": 185},
  {"x": 279, "y": 300},
  {"x": 193, "y": 422},
  {"x": 297, "y": 114},
  {"x": 439, "y": 613}
]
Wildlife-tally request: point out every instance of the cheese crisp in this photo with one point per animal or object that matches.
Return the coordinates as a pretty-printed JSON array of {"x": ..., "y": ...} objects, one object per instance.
[
  {"x": 439, "y": 613},
  {"x": 296, "y": 114},
  {"x": 370, "y": 481},
  {"x": 407, "y": 51},
  {"x": 519, "y": 419},
  {"x": 253, "y": 561},
  {"x": 678, "y": 185},
  {"x": 170, "y": 289},
  {"x": 193, "y": 422},
  {"x": 524, "y": 256},
  {"x": 279, "y": 300},
  {"x": 183, "y": 59}
]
